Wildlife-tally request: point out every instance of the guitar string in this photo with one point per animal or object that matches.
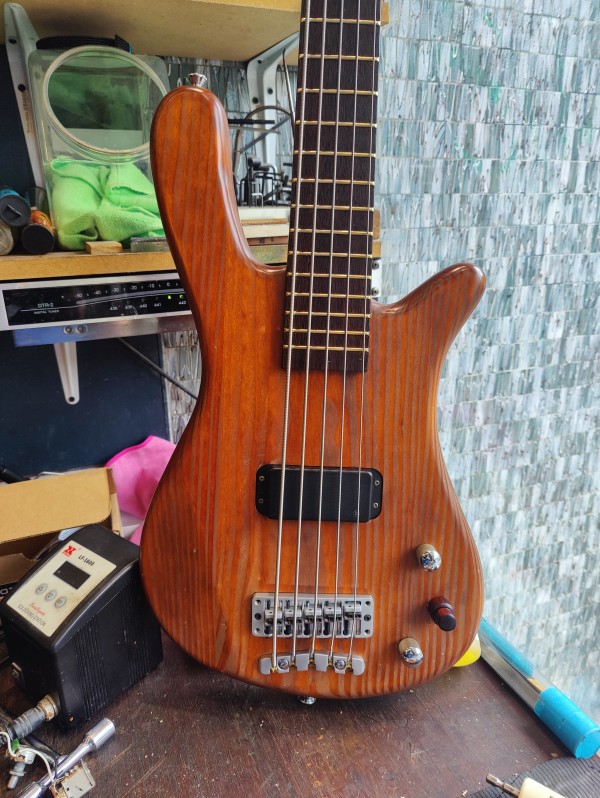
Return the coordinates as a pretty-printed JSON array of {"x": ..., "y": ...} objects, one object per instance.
[
  {"x": 366, "y": 307},
  {"x": 309, "y": 335},
  {"x": 286, "y": 413},
  {"x": 338, "y": 532},
  {"x": 376, "y": 30}
]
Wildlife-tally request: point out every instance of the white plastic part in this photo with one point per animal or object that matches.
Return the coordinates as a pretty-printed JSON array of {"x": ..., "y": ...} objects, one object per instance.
[{"x": 533, "y": 789}]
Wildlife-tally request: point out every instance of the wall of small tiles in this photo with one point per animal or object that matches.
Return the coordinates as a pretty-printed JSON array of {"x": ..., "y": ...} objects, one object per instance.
[{"x": 489, "y": 151}]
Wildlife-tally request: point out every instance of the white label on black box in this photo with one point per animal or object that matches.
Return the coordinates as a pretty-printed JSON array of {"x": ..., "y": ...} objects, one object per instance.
[{"x": 59, "y": 586}]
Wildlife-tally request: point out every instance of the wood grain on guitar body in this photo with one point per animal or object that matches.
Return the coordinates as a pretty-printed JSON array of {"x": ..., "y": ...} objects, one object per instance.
[{"x": 306, "y": 536}]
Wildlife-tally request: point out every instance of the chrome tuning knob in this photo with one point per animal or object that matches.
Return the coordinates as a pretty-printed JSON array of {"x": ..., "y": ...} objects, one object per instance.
[
  {"x": 410, "y": 652},
  {"x": 196, "y": 79},
  {"x": 428, "y": 557}
]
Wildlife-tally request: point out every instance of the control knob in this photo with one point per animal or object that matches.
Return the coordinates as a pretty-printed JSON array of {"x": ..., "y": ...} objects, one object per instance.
[
  {"x": 442, "y": 613},
  {"x": 410, "y": 652},
  {"x": 428, "y": 557}
]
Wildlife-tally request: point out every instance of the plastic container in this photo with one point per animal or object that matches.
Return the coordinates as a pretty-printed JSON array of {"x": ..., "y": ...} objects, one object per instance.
[
  {"x": 38, "y": 237},
  {"x": 14, "y": 209},
  {"x": 7, "y": 240},
  {"x": 93, "y": 108}
]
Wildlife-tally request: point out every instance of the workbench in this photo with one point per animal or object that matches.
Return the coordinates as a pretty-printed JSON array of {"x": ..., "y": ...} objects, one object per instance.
[{"x": 190, "y": 732}]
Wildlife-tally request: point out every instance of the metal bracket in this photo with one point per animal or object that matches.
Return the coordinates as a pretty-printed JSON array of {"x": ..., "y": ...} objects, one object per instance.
[
  {"x": 66, "y": 357},
  {"x": 21, "y": 39},
  {"x": 343, "y": 616},
  {"x": 261, "y": 74},
  {"x": 341, "y": 664}
]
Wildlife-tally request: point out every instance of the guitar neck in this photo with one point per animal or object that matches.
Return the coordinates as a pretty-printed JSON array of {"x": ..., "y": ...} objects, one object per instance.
[{"x": 331, "y": 224}]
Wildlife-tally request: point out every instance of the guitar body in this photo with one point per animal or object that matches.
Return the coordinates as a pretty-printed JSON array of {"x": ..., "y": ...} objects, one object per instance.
[{"x": 206, "y": 550}]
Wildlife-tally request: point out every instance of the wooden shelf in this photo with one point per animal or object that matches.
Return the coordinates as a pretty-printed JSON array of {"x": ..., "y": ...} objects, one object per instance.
[
  {"x": 58, "y": 265},
  {"x": 227, "y": 30}
]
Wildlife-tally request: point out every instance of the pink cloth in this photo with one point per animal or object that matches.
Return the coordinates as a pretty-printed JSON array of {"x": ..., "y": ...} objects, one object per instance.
[{"x": 137, "y": 471}]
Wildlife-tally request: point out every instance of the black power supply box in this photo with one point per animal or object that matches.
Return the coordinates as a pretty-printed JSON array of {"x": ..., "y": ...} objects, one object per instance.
[{"x": 78, "y": 626}]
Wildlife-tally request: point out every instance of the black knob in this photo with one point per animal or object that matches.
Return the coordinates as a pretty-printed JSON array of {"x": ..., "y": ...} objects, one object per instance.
[{"x": 442, "y": 613}]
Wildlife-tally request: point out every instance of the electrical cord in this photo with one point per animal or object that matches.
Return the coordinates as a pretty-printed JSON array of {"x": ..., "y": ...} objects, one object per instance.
[
  {"x": 157, "y": 368},
  {"x": 31, "y": 740}
]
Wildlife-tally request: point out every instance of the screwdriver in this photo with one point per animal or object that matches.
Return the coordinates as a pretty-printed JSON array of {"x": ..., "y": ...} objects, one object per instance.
[{"x": 529, "y": 788}]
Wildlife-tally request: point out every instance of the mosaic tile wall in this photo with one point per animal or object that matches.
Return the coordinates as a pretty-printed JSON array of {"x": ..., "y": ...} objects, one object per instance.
[{"x": 489, "y": 151}]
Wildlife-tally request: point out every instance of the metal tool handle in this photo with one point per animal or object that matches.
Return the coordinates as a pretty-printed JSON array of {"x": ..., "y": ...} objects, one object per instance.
[{"x": 93, "y": 740}]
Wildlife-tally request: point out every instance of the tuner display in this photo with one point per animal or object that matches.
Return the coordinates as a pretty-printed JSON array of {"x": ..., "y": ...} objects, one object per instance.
[{"x": 43, "y": 303}]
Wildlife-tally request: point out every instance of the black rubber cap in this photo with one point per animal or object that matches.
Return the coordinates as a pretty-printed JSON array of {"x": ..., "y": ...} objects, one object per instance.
[
  {"x": 14, "y": 210},
  {"x": 37, "y": 239}
]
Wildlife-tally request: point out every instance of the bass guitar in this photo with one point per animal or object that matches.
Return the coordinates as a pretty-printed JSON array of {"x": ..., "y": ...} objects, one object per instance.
[{"x": 306, "y": 536}]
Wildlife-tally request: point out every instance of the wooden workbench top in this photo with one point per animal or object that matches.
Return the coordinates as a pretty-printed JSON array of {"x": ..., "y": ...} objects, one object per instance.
[{"x": 190, "y": 732}]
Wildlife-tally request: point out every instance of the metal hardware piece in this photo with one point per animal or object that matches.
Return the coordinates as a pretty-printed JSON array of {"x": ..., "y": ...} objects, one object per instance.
[
  {"x": 196, "y": 79},
  {"x": 507, "y": 788},
  {"x": 348, "y": 616},
  {"x": 410, "y": 652},
  {"x": 93, "y": 740},
  {"x": 340, "y": 663},
  {"x": 376, "y": 282},
  {"x": 261, "y": 74},
  {"x": 428, "y": 557},
  {"x": 30, "y": 720},
  {"x": 76, "y": 783},
  {"x": 307, "y": 700},
  {"x": 18, "y": 770}
]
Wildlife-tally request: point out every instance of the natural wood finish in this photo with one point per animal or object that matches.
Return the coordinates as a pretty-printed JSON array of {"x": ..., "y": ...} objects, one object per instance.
[
  {"x": 230, "y": 30},
  {"x": 103, "y": 247},
  {"x": 385, "y": 13},
  {"x": 59, "y": 265},
  {"x": 205, "y": 549}
]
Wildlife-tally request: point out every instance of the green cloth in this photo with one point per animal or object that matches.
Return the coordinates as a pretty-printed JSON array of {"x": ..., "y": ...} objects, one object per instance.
[{"x": 107, "y": 202}]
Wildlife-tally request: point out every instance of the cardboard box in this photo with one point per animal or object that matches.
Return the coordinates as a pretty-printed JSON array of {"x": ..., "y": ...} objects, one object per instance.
[{"x": 33, "y": 512}]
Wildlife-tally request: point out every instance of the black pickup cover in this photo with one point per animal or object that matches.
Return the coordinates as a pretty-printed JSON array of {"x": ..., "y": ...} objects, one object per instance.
[{"x": 366, "y": 481}]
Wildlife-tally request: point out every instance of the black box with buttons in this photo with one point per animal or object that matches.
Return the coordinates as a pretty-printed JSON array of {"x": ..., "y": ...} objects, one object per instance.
[{"x": 78, "y": 626}]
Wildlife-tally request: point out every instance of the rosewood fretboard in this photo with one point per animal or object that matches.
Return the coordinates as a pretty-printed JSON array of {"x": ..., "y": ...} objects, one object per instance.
[{"x": 331, "y": 224}]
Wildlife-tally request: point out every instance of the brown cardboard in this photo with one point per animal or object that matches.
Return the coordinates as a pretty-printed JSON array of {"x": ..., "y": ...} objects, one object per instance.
[{"x": 33, "y": 512}]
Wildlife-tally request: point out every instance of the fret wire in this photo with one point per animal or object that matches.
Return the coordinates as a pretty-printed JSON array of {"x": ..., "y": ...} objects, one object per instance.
[
  {"x": 327, "y": 275},
  {"x": 340, "y": 57},
  {"x": 316, "y": 331},
  {"x": 333, "y": 313},
  {"x": 311, "y": 269},
  {"x": 337, "y": 207},
  {"x": 338, "y": 124},
  {"x": 333, "y": 296},
  {"x": 332, "y": 254},
  {"x": 330, "y": 180},
  {"x": 345, "y": 21},
  {"x": 338, "y": 232},
  {"x": 339, "y": 154},
  {"x": 330, "y": 348},
  {"x": 360, "y": 92}
]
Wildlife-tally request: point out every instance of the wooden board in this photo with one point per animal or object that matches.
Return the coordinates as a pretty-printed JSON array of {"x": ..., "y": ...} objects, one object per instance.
[{"x": 230, "y": 30}]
